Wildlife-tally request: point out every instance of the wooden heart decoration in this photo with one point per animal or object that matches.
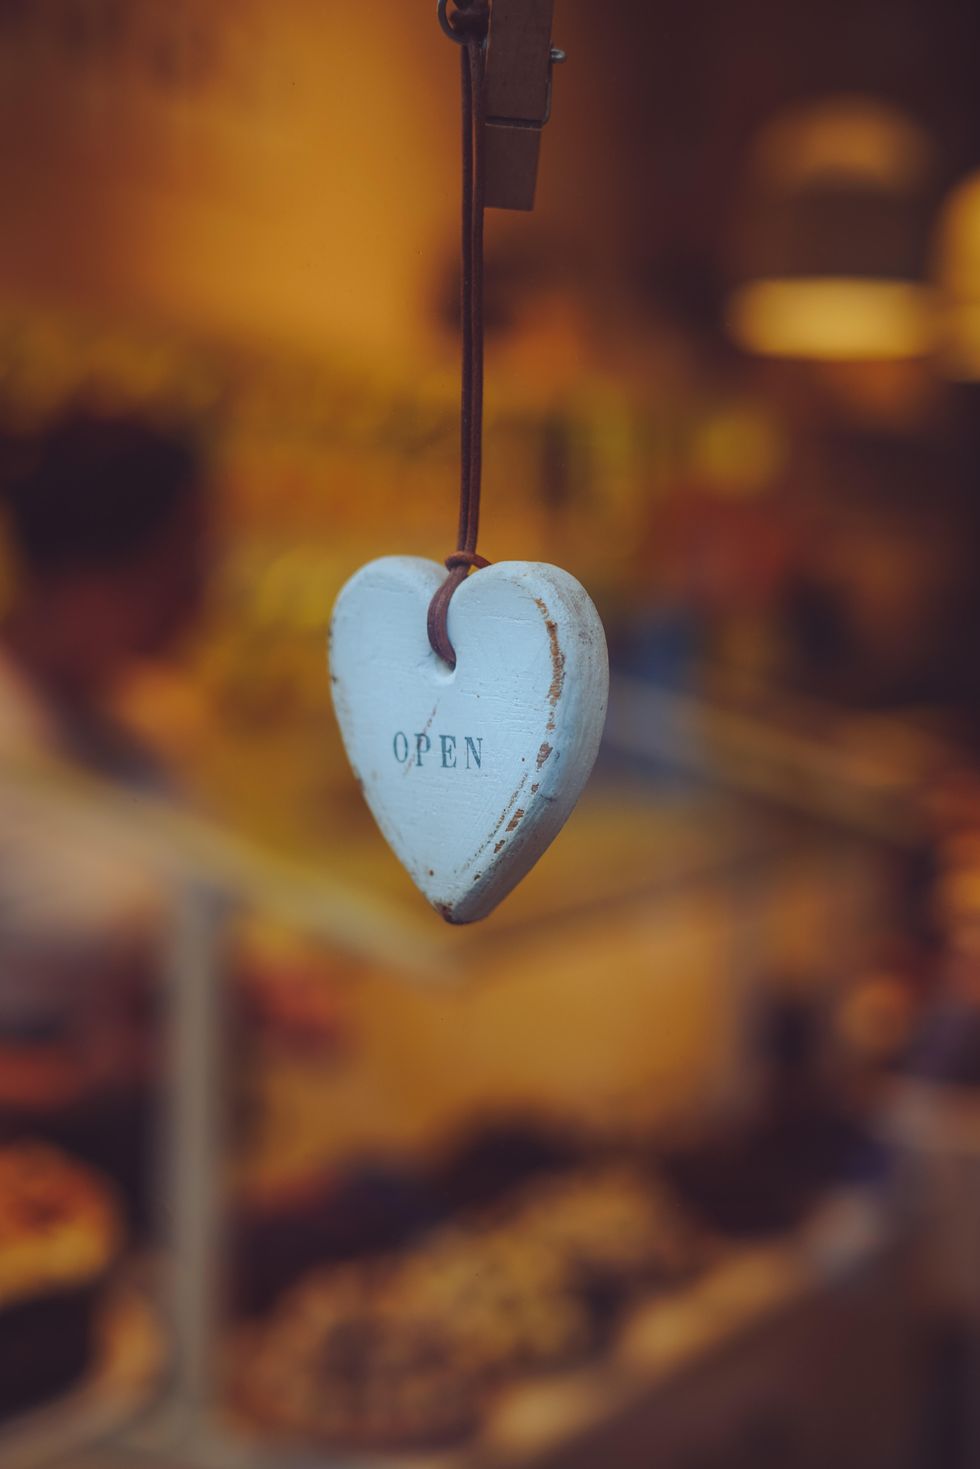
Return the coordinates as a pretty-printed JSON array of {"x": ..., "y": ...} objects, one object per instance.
[{"x": 469, "y": 772}]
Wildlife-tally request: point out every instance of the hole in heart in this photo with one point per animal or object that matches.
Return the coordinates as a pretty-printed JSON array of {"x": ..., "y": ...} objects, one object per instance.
[{"x": 437, "y": 669}]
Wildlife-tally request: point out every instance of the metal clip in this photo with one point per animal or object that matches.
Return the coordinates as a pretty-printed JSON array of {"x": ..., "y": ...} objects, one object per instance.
[
  {"x": 517, "y": 100},
  {"x": 520, "y": 62},
  {"x": 448, "y": 29}
]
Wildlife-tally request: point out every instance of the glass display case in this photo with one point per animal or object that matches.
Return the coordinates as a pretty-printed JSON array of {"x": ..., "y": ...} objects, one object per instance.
[{"x": 502, "y": 1195}]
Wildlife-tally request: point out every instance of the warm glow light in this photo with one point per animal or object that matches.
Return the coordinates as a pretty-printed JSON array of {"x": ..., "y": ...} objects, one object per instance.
[
  {"x": 958, "y": 272},
  {"x": 960, "y": 353},
  {"x": 738, "y": 451},
  {"x": 831, "y": 238},
  {"x": 834, "y": 318},
  {"x": 857, "y": 139}
]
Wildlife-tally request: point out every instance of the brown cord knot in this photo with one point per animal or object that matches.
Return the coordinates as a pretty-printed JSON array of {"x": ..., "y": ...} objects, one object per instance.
[
  {"x": 459, "y": 565},
  {"x": 465, "y": 558},
  {"x": 469, "y": 22}
]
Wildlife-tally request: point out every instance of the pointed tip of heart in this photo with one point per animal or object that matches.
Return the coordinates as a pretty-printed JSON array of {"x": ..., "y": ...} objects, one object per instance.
[{"x": 447, "y": 912}]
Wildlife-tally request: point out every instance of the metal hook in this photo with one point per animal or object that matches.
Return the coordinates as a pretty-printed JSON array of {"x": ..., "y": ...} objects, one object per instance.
[
  {"x": 446, "y": 25},
  {"x": 442, "y": 7},
  {"x": 442, "y": 11}
]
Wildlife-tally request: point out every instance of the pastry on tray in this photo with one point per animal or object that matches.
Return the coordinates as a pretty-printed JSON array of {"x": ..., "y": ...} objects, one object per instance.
[
  {"x": 60, "y": 1234},
  {"x": 512, "y": 1302},
  {"x": 345, "y": 1361},
  {"x": 48, "y": 1091},
  {"x": 402, "y": 1351},
  {"x": 611, "y": 1224}
]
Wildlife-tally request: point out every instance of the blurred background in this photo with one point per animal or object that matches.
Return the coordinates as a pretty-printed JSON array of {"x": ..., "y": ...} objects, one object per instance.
[{"x": 678, "y": 1153}]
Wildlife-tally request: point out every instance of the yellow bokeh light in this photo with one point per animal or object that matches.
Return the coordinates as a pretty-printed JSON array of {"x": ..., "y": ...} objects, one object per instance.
[
  {"x": 958, "y": 272},
  {"x": 834, "y": 319}
]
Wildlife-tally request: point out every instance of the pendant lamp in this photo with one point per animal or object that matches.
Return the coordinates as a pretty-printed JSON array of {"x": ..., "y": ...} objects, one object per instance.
[{"x": 831, "y": 236}]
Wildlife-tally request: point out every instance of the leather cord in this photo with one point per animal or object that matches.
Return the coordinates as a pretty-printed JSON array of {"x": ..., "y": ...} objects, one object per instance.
[{"x": 469, "y": 22}]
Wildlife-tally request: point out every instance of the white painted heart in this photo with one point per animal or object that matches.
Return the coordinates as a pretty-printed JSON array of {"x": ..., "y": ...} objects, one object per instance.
[{"x": 470, "y": 772}]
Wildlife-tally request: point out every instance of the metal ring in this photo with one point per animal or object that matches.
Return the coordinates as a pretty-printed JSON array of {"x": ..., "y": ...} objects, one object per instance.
[{"x": 446, "y": 25}]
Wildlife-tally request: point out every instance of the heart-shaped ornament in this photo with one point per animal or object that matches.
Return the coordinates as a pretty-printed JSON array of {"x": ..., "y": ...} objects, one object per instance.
[{"x": 469, "y": 772}]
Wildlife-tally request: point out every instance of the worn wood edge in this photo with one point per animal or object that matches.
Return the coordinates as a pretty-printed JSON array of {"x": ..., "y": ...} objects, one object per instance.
[{"x": 580, "y": 709}]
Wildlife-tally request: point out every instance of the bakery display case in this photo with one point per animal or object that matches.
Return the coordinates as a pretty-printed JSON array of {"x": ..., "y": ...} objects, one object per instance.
[
  {"x": 62, "y": 1236},
  {"x": 507, "y": 1195},
  {"x": 82, "y": 1060},
  {"x": 499, "y": 1196}
]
